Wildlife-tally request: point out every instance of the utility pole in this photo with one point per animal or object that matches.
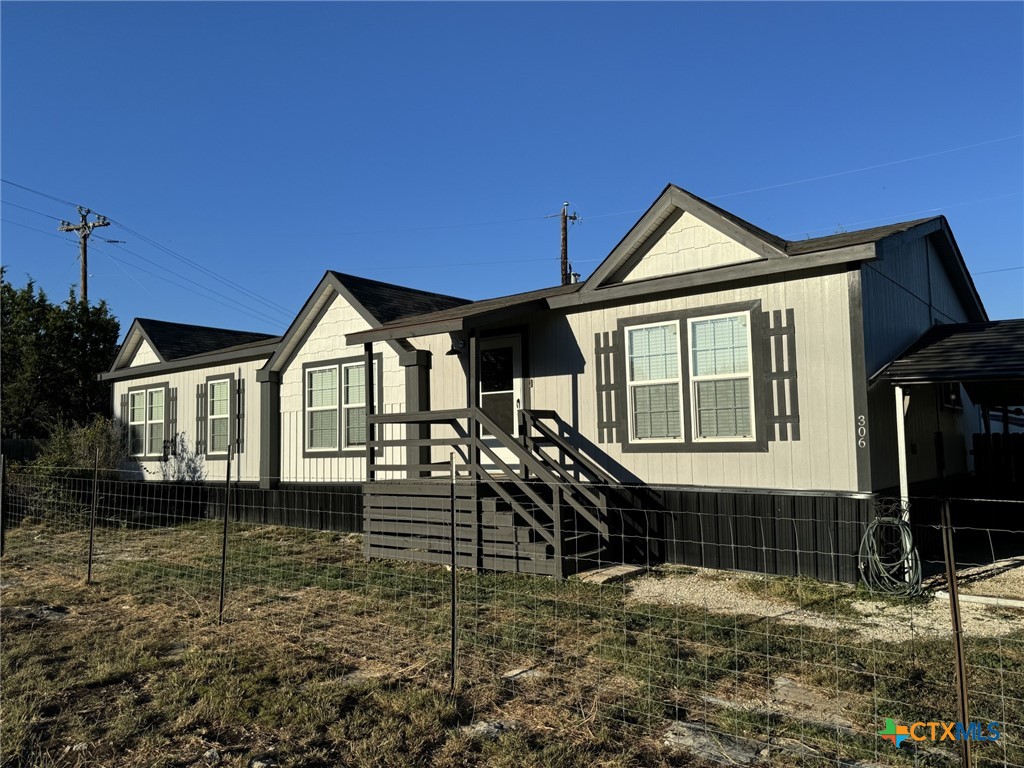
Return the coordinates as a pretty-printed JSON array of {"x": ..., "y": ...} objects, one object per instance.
[
  {"x": 84, "y": 229},
  {"x": 566, "y": 218}
]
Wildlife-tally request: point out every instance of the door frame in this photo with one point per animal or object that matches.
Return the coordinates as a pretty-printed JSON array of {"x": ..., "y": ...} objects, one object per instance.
[{"x": 519, "y": 386}]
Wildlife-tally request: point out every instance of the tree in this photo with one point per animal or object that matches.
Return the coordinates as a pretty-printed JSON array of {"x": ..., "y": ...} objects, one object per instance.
[{"x": 51, "y": 354}]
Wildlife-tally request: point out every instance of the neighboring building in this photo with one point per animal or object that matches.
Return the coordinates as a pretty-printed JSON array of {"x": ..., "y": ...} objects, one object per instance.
[{"x": 726, "y": 368}]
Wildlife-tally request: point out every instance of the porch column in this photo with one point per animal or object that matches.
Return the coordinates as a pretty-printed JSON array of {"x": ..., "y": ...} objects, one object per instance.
[
  {"x": 901, "y": 449},
  {"x": 270, "y": 427},
  {"x": 371, "y": 400}
]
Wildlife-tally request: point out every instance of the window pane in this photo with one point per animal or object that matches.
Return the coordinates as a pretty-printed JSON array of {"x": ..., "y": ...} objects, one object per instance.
[
  {"x": 723, "y": 408},
  {"x": 719, "y": 346},
  {"x": 323, "y": 387},
  {"x": 137, "y": 408},
  {"x": 138, "y": 439},
  {"x": 219, "y": 398},
  {"x": 355, "y": 385},
  {"x": 156, "y": 438},
  {"x": 156, "y": 405},
  {"x": 497, "y": 369},
  {"x": 323, "y": 429},
  {"x": 656, "y": 411},
  {"x": 355, "y": 426},
  {"x": 654, "y": 353},
  {"x": 219, "y": 435}
]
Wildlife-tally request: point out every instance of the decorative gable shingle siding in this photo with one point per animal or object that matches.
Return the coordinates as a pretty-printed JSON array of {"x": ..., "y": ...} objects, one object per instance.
[
  {"x": 144, "y": 355},
  {"x": 687, "y": 245},
  {"x": 325, "y": 343},
  {"x": 187, "y": 385},
  {"x": 804, "y": 379}
]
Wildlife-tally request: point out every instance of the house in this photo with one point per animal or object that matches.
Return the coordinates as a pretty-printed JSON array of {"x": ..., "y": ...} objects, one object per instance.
[{"x": 706, "y": 395}]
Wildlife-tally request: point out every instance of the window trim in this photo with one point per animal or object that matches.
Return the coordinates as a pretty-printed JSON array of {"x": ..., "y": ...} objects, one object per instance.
[
  {"x": 307, "y": 409},
  {"x": 340, "y": 449},
  {"x": 146, "y": 389},
  {"x": 631, "y": 385},
  {"x": 232, "y": 416},
  {"x": 759, "y": 416},
  {"x": 693, "y": 379}
]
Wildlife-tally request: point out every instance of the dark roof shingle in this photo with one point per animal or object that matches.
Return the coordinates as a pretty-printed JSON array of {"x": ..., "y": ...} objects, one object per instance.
[
  {"x": 388, "y": 302},
  {"x": 961, "y": 352},
  {"x": 176, "y": 340}
]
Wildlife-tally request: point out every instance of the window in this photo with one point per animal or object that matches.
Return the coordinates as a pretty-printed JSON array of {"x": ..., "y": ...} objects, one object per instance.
[
  {"x": 219, "y": 415},
  {"x": 653, "y": 382},
  {"x": 353, "y": 404},
  {"x": 721, "y": 382},
  {"x": 146, "y": 421},
  {"x": 322, "y": 408}
]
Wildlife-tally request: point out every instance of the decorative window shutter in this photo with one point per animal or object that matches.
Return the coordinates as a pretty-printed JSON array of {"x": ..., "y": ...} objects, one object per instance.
[
  {"x": 201, "y": 419},
  {"x": 124, "y": 417},
  {"x": 172, "y": 419},
  {"x": 239, "y": 421},
  {"x": 781, "y": 398}
]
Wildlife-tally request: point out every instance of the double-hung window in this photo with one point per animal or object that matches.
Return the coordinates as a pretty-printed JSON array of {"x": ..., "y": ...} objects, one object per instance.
[
  {"x": 721, "y": 379},
  {"x": 219, "y": 415},
  {"x": 353, "y": 404},
  {"x": 146, "y": 421},
  {"x": 322, "y": 408},
  {"x": 654, "y": 382}
]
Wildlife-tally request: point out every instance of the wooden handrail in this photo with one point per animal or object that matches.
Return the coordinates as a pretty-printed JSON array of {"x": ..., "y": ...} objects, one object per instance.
[{"x": 595, "y": 471}]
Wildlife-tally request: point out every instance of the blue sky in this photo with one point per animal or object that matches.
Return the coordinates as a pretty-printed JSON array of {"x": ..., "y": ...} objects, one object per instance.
[{"x": 425, "y": 144}]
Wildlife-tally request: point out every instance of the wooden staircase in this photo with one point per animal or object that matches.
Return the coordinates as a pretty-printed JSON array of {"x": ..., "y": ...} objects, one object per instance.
[{"x": 545, "y": 514}]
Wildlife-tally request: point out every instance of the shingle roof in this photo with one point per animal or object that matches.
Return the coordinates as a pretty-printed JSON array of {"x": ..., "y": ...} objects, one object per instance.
[
  {"x": 859, "y": 237},
  {"x": 961, "y": 352},
  {"x": 472, "y": 309},
  {"x": 389, "y": 303},
  {"x": 176, "y": 340}
]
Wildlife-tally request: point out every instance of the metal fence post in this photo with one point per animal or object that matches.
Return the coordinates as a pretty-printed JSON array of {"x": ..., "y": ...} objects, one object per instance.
[
  {"x": 3, "y": 509},
  {"x": 454, "y": 580},
  {"x": 224, "y": 538},
  {"x": 92, "y": 513},
  {"x": 958, "y": 637}
]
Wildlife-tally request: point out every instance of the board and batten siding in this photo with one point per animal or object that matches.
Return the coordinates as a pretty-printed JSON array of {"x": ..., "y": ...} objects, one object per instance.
[
  {"x": 326, "y": 342},
  {"x": 247, "y": 465},
  {"x": 144, "y": 355},
  {"x": 564, "y": 368},
  {"x": 905, "y": 292},
  {"x": 687, "y": 246}
]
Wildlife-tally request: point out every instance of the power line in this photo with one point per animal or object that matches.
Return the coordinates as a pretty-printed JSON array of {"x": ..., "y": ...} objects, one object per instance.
[
  {"x": 869, "y": 167},
  {"x": 42, "y": 194},
  {"x": 36, "y": 229},
  {"x": 239, "y": 305},
  {"x": 170, "y": 252},
  {"x": 31, "y": 210},
  {"x": 195, "y": 265}
]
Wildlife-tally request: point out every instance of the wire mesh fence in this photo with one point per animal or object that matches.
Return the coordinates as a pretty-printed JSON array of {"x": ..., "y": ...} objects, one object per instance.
[{"x": 735, "y": 635}]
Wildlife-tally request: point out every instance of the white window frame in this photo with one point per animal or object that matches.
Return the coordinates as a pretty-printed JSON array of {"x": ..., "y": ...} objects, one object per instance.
[
  {"x": 147, "y": 422},
  {"x": 631, "y": 385},
  {"x": 210, "y": 418},
  {"x": 694, "y": 380},
  {"x": 346, "y": 407},
  {"x": 307, "y": 425}
]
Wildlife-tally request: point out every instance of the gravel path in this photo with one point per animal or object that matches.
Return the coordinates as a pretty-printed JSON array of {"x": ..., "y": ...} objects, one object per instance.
[{"x": 721, "y": 592}]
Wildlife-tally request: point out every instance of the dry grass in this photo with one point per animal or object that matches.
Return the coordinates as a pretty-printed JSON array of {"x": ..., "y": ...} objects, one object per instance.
[{"x": 326, "y": 659}]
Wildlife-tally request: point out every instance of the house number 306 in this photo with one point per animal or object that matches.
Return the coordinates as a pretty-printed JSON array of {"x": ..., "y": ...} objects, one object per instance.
[{"x": 862, "y": 431}]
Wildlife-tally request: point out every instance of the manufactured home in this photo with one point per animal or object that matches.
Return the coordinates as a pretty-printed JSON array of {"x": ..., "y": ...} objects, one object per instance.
[{"x": 706, "y": 382}]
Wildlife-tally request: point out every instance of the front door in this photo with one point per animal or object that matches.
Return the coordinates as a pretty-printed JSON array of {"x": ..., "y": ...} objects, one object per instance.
[{"x": 501, "y": 391}]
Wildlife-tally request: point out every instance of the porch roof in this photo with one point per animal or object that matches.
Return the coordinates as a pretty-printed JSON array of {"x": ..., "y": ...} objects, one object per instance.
[
  {"x": 456, "y": 318},
  {"x": 987, "y": 358}
]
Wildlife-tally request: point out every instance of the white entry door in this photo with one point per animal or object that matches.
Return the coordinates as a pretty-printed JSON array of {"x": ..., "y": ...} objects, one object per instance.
[{"x": 501, "y": 391}]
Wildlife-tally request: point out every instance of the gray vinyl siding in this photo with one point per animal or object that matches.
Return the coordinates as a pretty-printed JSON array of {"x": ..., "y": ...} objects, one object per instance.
[
  {"x": 325, "y": 342},
  {"x": 186, "y": 383},
  {"x": 905, "y": 292},
  {"x": 564, "y": 369}
]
